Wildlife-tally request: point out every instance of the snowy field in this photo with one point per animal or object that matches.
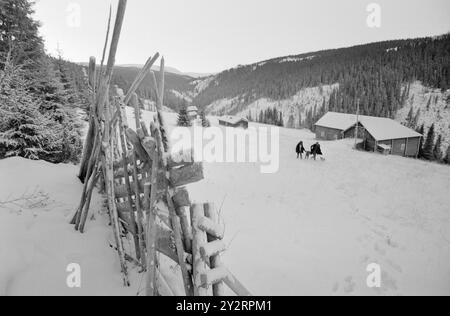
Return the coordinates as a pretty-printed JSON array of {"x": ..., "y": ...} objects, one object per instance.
[{"x": 310, "y": 229}]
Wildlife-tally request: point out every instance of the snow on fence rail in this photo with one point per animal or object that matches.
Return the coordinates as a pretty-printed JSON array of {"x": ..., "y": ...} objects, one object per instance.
[{"x": 145, "y": 188}]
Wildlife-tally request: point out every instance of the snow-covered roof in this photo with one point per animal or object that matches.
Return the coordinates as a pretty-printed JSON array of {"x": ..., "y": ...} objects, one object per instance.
[
  {"x": 379, "y": 127},
  {"x": 192, "y": 109},
  {"x": 232, "y": 119},
  {"x": 339, "y": 121}
]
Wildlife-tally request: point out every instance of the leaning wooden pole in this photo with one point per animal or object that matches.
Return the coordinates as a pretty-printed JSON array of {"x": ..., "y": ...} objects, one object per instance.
[
  {"x": 105, "y": 46},
  {"x": 90, "y": 137},
  {"x": 164, "y": 148},
  {"x": 151, "y": 285},
  {"x": 107, "y": 77}
]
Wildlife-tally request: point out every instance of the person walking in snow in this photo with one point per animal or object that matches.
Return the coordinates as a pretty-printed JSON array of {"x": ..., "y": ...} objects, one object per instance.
[
  {"x": 300, "y": 150},
  {"x": 316, "y": 150}
]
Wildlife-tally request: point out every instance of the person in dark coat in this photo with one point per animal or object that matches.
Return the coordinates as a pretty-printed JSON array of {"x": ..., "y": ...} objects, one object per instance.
[
  {"x": 300, "y": 150},
  {"x": 316, "y": 150}
]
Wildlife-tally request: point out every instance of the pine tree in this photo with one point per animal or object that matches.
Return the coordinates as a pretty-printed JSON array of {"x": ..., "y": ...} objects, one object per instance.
[
  {"x": 428, "y": 148},
  {"x": 410, "y": 118},
  {"x": 183, "y": 118},
  {"x": 416, "y": 119},
  {"x": 205, "y": 122},
  {"x": 421, "y": 131},
  {"x": 447, "y": 156},
  {"x": 437, "y": 152}
]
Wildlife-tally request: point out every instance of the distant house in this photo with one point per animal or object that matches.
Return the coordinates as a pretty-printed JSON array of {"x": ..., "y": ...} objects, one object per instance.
[
  {"x": 192, "y": 112},
  {"x": 379, "y": 134},
  {"x": 233, "y": 121}
]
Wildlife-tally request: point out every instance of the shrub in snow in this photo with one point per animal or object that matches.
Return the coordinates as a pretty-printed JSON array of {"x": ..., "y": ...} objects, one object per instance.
[
  {"x": 183, "y": 118},
  {"x": 205, "y": 122}
]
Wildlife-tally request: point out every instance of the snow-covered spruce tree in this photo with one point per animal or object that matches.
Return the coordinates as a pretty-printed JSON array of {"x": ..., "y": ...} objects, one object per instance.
[
  {"x": 35, "y": 121},
  {"x": 19, "y": 32},
  {"x": 437, "y": 152},
  {"x": 447, "y": 156},
  {"x": 428, "y": 148},
  {"x": 26, "y": 130},
  {"x": 183, "y": 118},
  {"x": 23, "y": 129},
  {"x": 205, "y": 121}
]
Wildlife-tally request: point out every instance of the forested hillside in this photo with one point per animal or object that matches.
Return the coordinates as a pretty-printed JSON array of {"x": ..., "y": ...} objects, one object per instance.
[
  {"x": 39, "y": 95},
  {"x": 373, "y": 73}
]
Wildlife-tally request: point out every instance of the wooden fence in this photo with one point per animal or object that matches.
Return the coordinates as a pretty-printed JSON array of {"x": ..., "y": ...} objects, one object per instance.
[{"x": 145, "y": 186}]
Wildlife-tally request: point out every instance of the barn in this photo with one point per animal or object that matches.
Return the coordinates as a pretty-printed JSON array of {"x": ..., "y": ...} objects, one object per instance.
[
  {"x": 233, "y": 121},
  {"x": 334, "y": 126},
  {"x": 386, "y": 135},
  {"x": 379, "y": 134}
]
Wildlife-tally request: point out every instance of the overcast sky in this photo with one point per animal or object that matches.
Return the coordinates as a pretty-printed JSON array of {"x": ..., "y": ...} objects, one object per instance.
[{"x": 213, "y": 35}]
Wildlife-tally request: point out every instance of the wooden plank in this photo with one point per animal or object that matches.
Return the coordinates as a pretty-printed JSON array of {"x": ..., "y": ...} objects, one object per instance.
[
  {"x": 185, "y": 228},
  {"x": 133, "y": 138},
  {"x": 199, "y": 239},
  {"x": 213, "y": 229},
  {"x": 186, "y": 175},
  {"x": 180, "y": 159},
  {"x": 149, "y": 145},
  {"x": 214, "y": 276},
  {"x": 181, "y": 198},
  {"x": 212, "y": 249},
  {"x": 236, "y": 286},
  {"x": 222, "y": 274},
  {"x": 128, "y": 184}
]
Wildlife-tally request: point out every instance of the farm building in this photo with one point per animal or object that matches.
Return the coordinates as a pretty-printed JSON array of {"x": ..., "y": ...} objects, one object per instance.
[
  {"x": 192, "y": 112},
  {"x": 334, "y": 126},
  {"x": 379, "y": 134},
  {"x": 233, "y": 121}
]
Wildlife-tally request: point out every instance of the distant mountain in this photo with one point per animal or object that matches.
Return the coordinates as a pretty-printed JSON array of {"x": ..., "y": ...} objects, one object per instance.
[{"x": 171, "y": 70}]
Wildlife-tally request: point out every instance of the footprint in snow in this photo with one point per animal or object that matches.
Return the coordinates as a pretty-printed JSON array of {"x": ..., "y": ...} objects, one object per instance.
[{"x": 349, "y": 285}]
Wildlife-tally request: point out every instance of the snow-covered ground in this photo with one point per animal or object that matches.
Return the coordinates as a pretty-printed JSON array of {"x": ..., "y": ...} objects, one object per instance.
[
  {"x": 36, "y": 241},
  {"x": 311, "y": 228},
  {"x": 314, "y": 227}
]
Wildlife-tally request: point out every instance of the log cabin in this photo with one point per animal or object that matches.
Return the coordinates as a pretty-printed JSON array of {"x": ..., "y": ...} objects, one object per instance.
[
  {"x": 233, "y": 121},
  {"x": 378, "y": 134}
]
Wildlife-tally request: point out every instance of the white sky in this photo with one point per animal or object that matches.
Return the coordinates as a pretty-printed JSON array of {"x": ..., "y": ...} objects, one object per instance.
[{"x": 213, "y": 35}]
